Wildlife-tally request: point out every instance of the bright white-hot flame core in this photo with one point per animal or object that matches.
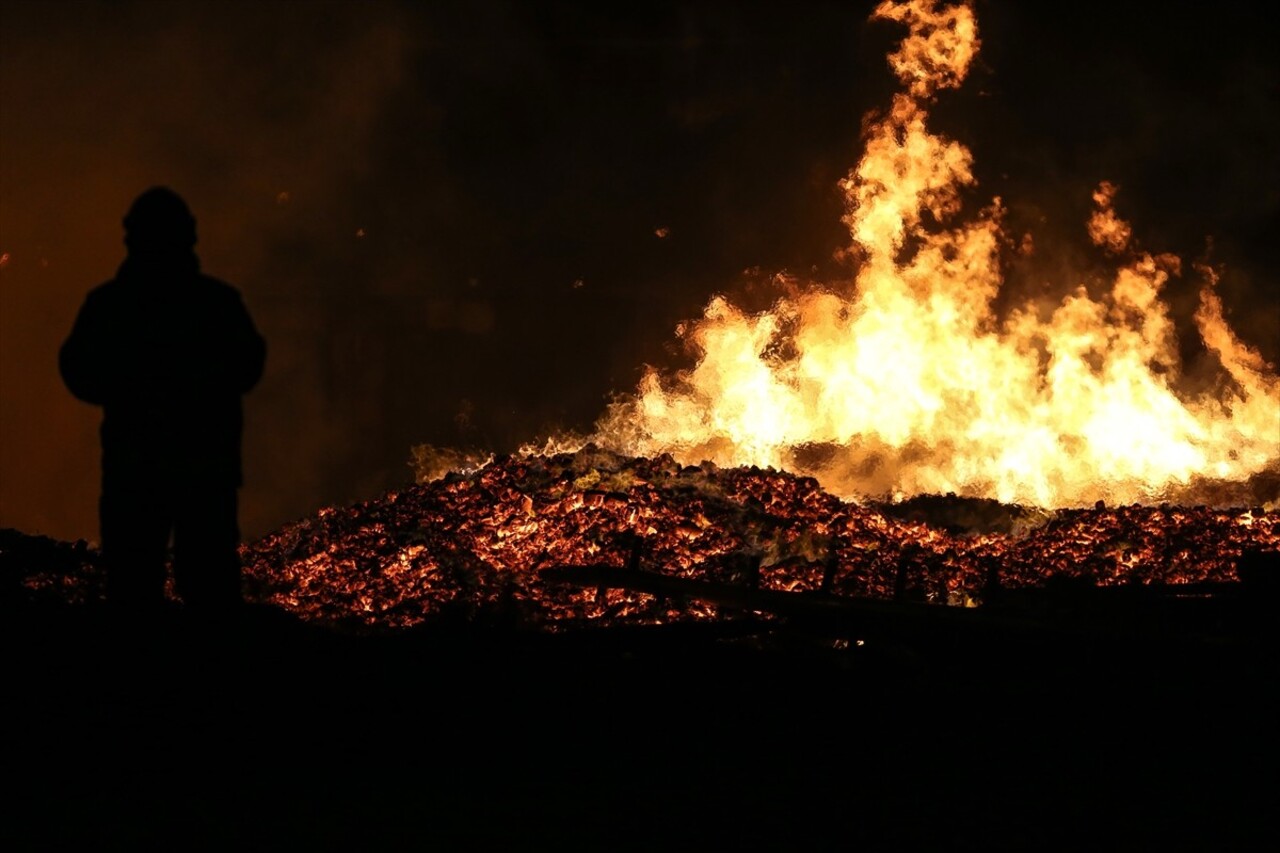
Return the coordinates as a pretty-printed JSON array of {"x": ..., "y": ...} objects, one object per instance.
[{"x": 908, "y": 382}]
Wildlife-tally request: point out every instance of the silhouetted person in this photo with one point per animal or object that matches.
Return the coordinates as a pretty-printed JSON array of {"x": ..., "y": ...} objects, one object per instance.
[{"x": 167, "y": 352}]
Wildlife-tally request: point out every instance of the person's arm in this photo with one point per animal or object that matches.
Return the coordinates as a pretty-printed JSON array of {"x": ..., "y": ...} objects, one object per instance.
[
  {"x": 83, "y": 358},
  {"x": 252, "y": 349},
  {"x": 244, "y": 351}
]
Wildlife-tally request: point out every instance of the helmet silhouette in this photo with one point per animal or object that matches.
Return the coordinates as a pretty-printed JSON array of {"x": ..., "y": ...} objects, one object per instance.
[{"x": 159, "y": 220}]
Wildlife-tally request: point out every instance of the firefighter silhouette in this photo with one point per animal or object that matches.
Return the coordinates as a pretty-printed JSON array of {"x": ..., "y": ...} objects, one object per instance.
[{"x": 167, "y": 352}]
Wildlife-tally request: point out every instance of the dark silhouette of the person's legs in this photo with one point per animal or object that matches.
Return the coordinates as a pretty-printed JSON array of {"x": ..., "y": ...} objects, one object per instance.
[
  {"x": 206, "y": 558},
  {"x": 135, "y": 542}
]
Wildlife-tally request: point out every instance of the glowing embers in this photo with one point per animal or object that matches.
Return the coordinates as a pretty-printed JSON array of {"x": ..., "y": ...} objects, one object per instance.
[{"x": 472, "y": 547}]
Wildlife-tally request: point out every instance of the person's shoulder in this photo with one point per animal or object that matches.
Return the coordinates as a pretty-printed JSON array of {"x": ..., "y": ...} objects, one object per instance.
[
  {"x": 216, "y": 288},
  {"x": 219, "y": 297},
  {"x": 214, "y": 283},
  {"x": 105, "y": 292}
]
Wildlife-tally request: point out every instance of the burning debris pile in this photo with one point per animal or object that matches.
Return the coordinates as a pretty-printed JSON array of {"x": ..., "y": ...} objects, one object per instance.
[
  {"x": 488, "y": 545},
  {"x": 905, "y": 380}
]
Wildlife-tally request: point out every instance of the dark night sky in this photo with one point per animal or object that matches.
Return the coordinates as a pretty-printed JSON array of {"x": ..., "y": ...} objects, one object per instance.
[{"x": 507, "y": 165}]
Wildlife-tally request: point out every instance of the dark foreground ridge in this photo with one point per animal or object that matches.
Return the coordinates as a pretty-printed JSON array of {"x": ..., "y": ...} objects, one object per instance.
[{"x": 269, "y": 733}]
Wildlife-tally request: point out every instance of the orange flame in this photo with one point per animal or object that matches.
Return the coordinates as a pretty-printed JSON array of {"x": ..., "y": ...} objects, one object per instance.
[{"x": 907, "y": 382}]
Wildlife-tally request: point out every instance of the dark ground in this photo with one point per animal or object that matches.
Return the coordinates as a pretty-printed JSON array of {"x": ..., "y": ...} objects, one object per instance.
[{"x": 273, "y": 735}]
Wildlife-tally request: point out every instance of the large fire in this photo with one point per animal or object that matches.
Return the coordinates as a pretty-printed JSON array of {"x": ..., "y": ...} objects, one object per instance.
[{"x": 905, "y": 381}]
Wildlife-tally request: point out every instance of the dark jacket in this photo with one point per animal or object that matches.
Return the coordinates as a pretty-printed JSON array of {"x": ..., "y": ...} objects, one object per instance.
[{"x": 167, "y": 352}]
